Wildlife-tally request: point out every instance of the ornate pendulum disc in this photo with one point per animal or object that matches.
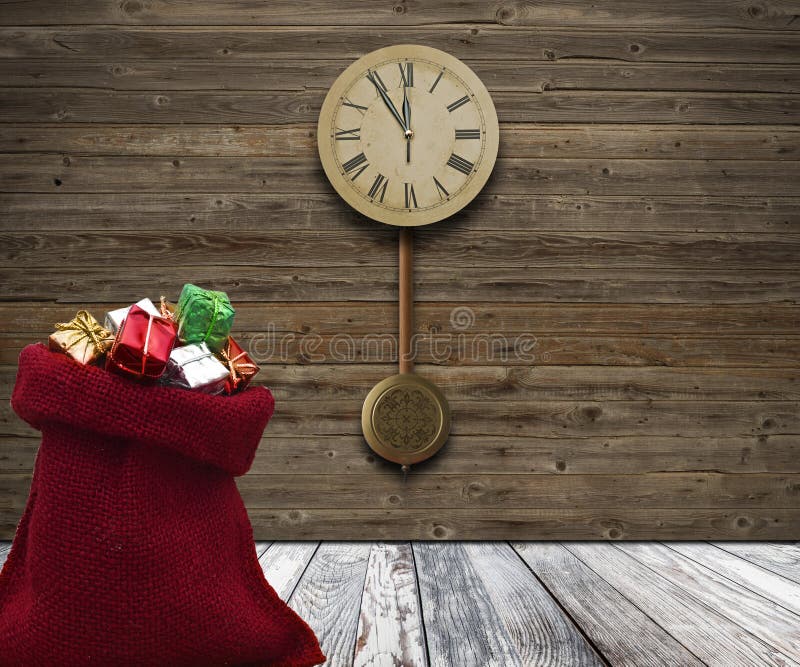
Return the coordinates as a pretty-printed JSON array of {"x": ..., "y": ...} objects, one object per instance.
[{"x": 405, "y": 418}]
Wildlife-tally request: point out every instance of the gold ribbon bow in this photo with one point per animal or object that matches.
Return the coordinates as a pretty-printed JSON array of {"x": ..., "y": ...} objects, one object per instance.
[
  {"x": 88, "y": 327},
  {"x": 238, "y": 370}
]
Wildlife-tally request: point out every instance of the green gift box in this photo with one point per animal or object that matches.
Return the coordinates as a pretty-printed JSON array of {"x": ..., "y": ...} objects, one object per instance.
[{"x": 204, "y": 316}]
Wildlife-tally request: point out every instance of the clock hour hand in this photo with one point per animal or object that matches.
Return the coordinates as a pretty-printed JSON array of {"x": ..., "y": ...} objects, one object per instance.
[{"x": 387, "y": 101}]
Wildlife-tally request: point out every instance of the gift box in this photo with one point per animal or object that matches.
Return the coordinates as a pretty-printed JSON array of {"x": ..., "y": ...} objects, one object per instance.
[
  {"x": 115, "y": 318},
  {"x": 195, "y": 367},
  {"x": 240, "y": 367},
  {"x": 204, "y": 316},
  {"x": 82, "y": 338},
  {"x": 142, "y": 345}
]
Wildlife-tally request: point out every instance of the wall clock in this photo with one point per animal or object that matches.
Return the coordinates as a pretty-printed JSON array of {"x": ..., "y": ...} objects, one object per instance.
[{"x": 407, "y": 135}]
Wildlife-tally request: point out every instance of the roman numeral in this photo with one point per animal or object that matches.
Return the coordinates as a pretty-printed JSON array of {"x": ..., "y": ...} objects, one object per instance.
[
  {"x": 436, "y": 83},
  {"x": 460, "y": 164},
  {"x": 376, "y": 80},
  {"x": 468, "y": 134},
  {"x": 354, "y": 135},
  {"x": 354, "y": 163},
  {"x": 380, "y": 179},
  {"x": 440, "y": 189},
  {"x": 407, "y": 74},
  {"x": 410, "y": 196},
  {"x": 347, "y": 103},
  {"x": 458, "y": 103}
]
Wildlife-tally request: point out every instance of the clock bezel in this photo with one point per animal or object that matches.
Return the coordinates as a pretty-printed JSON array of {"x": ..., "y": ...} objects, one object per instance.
[{"x": 403, "y": 217}]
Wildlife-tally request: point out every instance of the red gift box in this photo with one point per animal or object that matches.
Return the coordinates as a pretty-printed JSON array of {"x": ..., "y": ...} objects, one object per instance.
[
  {"x": 142, "y": 345},
  {"x": 241, "y": 368}
]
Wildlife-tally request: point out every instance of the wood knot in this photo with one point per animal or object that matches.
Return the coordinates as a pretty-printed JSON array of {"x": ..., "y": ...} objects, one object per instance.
[
  {"x": 505, "y": 15},
  {"x": 439, "y": 532},
  {"x": 561, "y": 466},
  {"x": 132, "y": 7},
  {"x": 592, "y": 412}
]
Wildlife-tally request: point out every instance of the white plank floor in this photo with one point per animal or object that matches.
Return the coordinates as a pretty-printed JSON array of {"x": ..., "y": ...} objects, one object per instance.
[{"x": 481, "y": 604}]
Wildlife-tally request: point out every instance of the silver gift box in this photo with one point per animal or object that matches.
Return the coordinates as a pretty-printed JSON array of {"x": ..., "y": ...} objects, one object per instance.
[
  {"x": 114, "y": 318},
  {"x": 195, "y": 367}
]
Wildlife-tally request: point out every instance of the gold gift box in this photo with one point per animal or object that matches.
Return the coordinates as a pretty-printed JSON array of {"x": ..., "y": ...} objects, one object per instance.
[{"x": 82, "y": 338}]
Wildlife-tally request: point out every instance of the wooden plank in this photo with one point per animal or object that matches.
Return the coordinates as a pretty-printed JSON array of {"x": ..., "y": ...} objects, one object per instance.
[
  {"x": 269, "y": 74},
  {"x": 709, "y": 142},
  {"x": 768, "y": 585},
  {"x": 328, "y": 598},
  {"x": 549, "y": 350},
  {"x": 512, "y": 176},
  {"x": 480, "y": 491},
  {"x": 249, "y": 212},
  {"x": 763, "y": 618},
  {"x": 344, "y": 455},
  {"x": 462, "y": 625},
  {"x": 340, "y": 455},
  {"x": 433, "y": 283},
  {"x": 353, "y": 381},
  {"x": 623, "y": 633},
  {"x": 534, "y": 621},
  {"x": 697, "y": 490},
  {"x": 681, "y": 14},
  {"x": 390, "y": 628},
  {"x": 530, "y": 524},
  {"x": 284, "y": 563},
  {"x": 468, "y": 42},
  {"x": 375, "y": 247},
  {"x": 584, "y": 419},
  {"x": 772, "y": 557},
  {"x": 86, "y": 105},
  {"x": 331, "y": 318},
  {"x": 705, "y": 631}
]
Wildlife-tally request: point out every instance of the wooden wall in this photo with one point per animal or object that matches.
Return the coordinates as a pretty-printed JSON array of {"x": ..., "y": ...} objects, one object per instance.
[{"x": 642, "y": 224}]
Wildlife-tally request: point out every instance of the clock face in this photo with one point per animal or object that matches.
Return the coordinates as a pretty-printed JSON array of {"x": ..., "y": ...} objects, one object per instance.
[{"x": 408, "y": 135}]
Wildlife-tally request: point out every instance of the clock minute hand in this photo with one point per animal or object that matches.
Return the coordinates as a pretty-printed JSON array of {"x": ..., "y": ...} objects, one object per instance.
[
  {"x": 387, "y": 101},
  {"x": 407, "y": 118}
]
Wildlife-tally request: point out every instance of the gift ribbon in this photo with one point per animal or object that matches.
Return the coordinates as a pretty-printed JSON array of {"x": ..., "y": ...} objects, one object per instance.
[
  {"x": 216, "y": 299},
  {"x": 84, "y": 323},
  {"x": 145, "y": 348},
  {"x": 238, "y": 368}
]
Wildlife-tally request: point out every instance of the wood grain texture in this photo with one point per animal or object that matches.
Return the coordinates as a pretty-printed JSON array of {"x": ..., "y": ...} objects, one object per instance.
[
  {"x": 614, "y": 319},
  {"x": 775, "y": 14},
  {"x": 283, "y": 563},
  {"x": 766, "y": 619},
  {"x": 600, "y": 610},
  {"x": 768, "y": 585},
  {"x": 778, "y": 558},
  {"x": 248, "y": 212},
  {"x": 128, "y": 73},
  {"x": 390, "y": 630},
  {"x": 542, "y": 616},
  {"x": 538, "y": 628},
  {"x": 467, "y": 42},
  {"x": 328, "y": 596},
  {"x": 705, "y": 630},
  {"x": 86, "y": 105}
]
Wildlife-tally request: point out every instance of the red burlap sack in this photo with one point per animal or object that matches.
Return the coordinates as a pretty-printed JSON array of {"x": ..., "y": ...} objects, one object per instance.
[{"x": 135, "y": 547}]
